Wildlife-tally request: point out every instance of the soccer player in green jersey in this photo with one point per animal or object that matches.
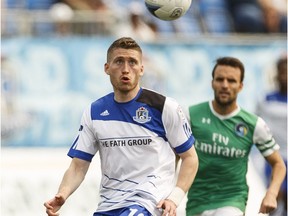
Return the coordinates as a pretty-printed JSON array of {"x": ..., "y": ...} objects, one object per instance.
[{"x": 225, "y": 134}]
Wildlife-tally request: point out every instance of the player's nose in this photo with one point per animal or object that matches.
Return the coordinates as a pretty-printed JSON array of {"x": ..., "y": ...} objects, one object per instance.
[{"x": 126, "y": 67}]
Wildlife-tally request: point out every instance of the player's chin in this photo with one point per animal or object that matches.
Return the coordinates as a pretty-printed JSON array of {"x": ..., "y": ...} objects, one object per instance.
[
  {"x": 224, "y": 101},
  {"x": 125, "y": 87}
]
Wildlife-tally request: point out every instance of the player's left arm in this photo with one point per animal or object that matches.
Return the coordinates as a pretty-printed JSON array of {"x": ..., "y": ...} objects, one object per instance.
[
  {"x": 180, "y": 137},
  {"x": 187, "y": 173},
  {"x": 188, "y": 169},
  {"x": 269, "y": 202},
  {"x": 269, "y": 149}
]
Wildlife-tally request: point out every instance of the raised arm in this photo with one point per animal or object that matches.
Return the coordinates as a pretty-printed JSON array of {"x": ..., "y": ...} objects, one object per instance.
[{"x": 72, "y": 179}]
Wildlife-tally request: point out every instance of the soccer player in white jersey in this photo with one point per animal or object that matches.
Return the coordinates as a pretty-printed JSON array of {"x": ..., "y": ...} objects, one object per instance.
[
  {"x": 225, "y": 134},
  {"x": 274, "y": 110},
  {"x": 138, "y": 134}
]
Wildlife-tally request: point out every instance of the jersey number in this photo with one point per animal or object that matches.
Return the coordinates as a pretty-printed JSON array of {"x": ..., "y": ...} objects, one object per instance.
[
  {"x": 187, "y": 129},
  {"x": 134, "y": 211}
]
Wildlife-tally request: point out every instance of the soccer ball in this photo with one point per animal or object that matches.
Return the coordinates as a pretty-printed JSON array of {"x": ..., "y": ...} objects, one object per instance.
[{"x": 168, "y": 9}]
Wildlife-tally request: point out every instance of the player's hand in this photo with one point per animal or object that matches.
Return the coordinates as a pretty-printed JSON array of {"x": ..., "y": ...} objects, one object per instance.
[
  {"x": 168, "y": 206},
  {"x": 53, "y": 205},
  {"x": 269, "y": 203}
]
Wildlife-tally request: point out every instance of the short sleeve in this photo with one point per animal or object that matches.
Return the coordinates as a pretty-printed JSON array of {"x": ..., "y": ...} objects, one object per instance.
[
  {"x": 178, "y": 130},
  {"x": 85, "y": 144},
  {"x": 264, "y": 139}
]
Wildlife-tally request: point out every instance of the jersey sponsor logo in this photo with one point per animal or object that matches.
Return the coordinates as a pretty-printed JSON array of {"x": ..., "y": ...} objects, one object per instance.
[
  {"x": 142, "y": 115},
  {"x": 217, "y": 149},
  {"x": 206, "y": 120},
  {"x": 105, "y": 113},
  {"x": 81, "y": 128},
  {"x": 144, "y": 141},
  {"x": 241, "y": 129},
  {"x": 220, "y": 146},
  {"x": 219, "y": 138}
]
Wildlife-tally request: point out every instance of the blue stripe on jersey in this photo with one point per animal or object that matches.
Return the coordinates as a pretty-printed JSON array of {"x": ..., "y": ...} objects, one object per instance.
[
  {"x": 79, "y": 154},
  {"x": 106, "y": 108},
  {"x": 185, "y": 146},
  {"x": 75, "y": 142},
  {"x": 277, "y": 96},
  {"x": 120, "y": 180}
]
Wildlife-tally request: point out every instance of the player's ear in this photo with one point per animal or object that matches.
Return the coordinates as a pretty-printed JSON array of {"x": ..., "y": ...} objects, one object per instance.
[
  {"x": 106, "y": 67},
  {"x": 241, "y": 86},
  {"x": 212, "y": 84},
  {"x": 141, "y": 71}
]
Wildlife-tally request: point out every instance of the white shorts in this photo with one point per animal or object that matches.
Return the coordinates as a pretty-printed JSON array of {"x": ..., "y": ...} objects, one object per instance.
[{"x": 224, "y": 211}]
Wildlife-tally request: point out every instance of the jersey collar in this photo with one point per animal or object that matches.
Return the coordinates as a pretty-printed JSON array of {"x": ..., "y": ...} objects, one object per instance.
[{"x": 223, "y": 117}]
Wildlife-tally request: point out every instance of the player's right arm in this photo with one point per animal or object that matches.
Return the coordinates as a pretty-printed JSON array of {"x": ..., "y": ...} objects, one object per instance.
[{"x": 72, "y": 179}]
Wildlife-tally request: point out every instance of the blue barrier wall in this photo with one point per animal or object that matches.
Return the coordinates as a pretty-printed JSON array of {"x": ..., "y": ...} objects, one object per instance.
[{"x": 46, "y": 83}]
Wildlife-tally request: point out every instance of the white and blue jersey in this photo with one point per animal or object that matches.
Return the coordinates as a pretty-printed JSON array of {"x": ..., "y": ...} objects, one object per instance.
[
  {"x": 274, "y": 110},
  {"x": 137, "y": 142}
]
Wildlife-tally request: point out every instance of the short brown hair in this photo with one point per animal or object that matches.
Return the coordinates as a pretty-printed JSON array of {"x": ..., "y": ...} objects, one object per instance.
[
  {"x": 124, "y": 43},
  {"x": 230, "y": 61}
]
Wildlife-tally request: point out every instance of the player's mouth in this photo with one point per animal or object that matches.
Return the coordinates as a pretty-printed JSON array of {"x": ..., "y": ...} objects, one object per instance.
[
  {"x": 125, "y": 79},
  {"x": 224, "y": 94}
]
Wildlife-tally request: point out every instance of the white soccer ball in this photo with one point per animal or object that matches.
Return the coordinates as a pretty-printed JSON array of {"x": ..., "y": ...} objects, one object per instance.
[{"x": 168, "y": 9}]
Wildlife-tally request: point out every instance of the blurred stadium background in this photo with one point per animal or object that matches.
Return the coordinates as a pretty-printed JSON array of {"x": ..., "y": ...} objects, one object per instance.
[{"x": 52, "y": 57}]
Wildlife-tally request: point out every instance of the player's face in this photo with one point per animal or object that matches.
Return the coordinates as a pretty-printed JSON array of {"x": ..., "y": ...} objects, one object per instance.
[
  {"x": 226, "y": 85},
  {"x": 125, "y": 69}
]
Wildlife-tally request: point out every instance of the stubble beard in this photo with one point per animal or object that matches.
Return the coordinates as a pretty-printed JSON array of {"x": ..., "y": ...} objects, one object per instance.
[
  {"x": 126, "y": 88},
  {"x": 225, "y": 103}
]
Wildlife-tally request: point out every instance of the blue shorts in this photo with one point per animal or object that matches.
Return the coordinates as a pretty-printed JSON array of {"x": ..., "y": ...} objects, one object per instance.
[{"x": 133, "y": 210}]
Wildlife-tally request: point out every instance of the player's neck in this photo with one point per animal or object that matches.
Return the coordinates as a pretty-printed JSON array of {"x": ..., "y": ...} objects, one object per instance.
[
  {"x": 125, "y": 96},
  {"x": 224, "y": 109}
]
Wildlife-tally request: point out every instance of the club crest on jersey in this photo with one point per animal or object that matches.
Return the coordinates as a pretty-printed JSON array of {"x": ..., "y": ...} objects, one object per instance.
[
  {"x": 142, "y": 115},
  {"x": 241, "y": 129}
]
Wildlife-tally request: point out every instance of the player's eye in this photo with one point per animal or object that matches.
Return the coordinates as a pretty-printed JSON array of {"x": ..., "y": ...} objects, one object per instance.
[
  {"x": 119, "y": 61},
  {"x": 232, "y": 81},
  {"x": 132, "y": 62},
  {"x": 219, "y": 79}
]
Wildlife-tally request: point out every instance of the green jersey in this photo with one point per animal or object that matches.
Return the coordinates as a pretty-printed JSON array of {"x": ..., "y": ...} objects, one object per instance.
[{"x": 223, "y": 144}]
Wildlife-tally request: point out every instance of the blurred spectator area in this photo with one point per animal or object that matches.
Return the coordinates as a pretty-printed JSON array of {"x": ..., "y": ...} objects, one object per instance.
[
  {"x": 49, "y": 18},
  {"x": 104, "y": 17}
]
